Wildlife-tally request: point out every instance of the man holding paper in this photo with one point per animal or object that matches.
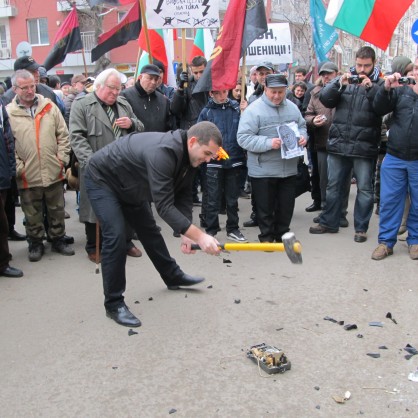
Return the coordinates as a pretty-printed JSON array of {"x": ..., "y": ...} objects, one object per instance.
[{"x": 272, "y": 170}]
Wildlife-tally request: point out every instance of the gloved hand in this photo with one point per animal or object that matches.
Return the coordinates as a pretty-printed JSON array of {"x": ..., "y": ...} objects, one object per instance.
[{"x": 184, "y": 78}]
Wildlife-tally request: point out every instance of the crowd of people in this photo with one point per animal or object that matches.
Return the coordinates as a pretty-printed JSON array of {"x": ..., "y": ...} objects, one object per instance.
[{"x": 138, "y": 143}]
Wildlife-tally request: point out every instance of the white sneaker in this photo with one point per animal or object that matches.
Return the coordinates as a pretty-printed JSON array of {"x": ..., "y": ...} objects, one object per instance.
[{"x": 236, "y": 236}]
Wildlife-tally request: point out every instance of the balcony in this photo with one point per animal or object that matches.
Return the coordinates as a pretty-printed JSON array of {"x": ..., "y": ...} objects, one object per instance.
[{"x": 7, "y": 9}]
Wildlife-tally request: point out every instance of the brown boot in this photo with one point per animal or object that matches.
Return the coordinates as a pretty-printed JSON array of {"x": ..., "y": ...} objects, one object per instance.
[
  {"x": 413, "y": 251},
  {"x": 381, "y": 252}
]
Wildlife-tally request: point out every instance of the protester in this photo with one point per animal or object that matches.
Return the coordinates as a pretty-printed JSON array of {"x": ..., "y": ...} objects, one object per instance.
[
  {"x": 97, "y": 119},
  {"x": 352, "y": 146},
  {"x": 399, "y": 171},
  {"x": 149, "y": 105},
  {"x": 7, "y": 171},
  {"x": 318, "y": 119},
  {"x": 273, "y": 178},
  {"x": 154, "y": 167},
  {"x": 223, "y": 176},
  {"x": 42, "y": 150}
]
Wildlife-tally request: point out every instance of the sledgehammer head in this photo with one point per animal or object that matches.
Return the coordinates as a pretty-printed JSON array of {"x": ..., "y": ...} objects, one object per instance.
[{"x": 293, "y": 247}]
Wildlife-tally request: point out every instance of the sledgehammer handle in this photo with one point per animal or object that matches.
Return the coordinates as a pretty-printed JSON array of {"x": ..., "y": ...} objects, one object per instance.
[{"x": 255, "y": 246}]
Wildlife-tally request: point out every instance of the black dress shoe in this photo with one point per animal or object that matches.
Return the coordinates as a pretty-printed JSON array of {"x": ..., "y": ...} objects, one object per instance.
[
  {"x": 185, "y": 280},
  {"x": 250, "y": 223},
  {"x": 314, "y": 207},
  {"x": 15, "y": 236},
  {"x": 123, "y": 316},
  {"x": 11, "y": 272}
]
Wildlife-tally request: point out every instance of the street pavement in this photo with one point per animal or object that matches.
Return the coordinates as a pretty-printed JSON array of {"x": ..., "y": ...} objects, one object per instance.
[{"x": 61, "y": 357}]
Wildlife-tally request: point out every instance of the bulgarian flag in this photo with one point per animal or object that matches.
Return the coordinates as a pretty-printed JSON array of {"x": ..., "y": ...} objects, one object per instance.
[
  {"x": 373, "y": 21},
  {"x": 203, "y": 44},
  {"x": 162, "y": 49},
  {"x": 157, "y": 45},
  {"x": 198, "y": 48}
]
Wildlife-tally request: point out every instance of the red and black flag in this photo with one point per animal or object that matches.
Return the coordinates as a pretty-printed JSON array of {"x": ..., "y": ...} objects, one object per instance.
[
  {"x": 244, "y": 21},
  {"x": 67, "y": 39},
  {"x": 127, "y": 30}
]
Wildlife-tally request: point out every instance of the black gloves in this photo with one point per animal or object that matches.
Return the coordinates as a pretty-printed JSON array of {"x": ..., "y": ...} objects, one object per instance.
[{"x": 184, "y": 78}]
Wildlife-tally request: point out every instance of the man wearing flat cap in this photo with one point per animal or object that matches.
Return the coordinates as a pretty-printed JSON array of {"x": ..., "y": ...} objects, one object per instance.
[
  {"x": 318, "y": 119},
  {"x": 150, "y": 106},
  {"x": 273, "y": 178}
]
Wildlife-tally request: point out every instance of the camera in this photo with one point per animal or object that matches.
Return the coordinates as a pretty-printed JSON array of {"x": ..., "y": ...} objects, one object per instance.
[
  {"x": 406, "y": 80},
  {"x": 354, "y": 79}
]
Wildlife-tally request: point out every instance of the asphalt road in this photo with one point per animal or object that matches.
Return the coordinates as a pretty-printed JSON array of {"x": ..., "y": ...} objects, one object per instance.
[{"x": 61, "y": 357}]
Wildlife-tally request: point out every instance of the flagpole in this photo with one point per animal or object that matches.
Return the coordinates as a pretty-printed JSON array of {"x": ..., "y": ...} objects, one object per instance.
[
  {"x": 83, "y": 54},
  {"x": 145, "y": 27},
  {"x": 140, "y": 51},
  {"x": 243, "y": 77},
  {"x": 183, "y": 51}
]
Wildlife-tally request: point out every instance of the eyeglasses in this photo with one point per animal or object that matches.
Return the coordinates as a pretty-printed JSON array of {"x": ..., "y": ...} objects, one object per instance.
[
  {"x": 113, "y": 88},
  {"x": 27, "y": 88}
]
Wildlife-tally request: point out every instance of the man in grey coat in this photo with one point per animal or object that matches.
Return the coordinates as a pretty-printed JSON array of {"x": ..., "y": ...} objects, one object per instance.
[
  {"x": 273, "y": 178},
  {"x": 91, "y": 129}
]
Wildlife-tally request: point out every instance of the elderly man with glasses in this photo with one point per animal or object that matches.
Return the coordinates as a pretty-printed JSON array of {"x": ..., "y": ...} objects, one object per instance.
[{"x": 96, "y": 120}]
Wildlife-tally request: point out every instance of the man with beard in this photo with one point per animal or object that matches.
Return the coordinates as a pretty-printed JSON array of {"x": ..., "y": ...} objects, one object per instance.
[{"x": 352, "y": 145}]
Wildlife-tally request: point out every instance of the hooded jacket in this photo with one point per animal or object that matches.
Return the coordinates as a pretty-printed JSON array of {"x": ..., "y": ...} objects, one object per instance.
[
  {"x": 41, "y": 142},
  {"x": 226, "y": 117}
]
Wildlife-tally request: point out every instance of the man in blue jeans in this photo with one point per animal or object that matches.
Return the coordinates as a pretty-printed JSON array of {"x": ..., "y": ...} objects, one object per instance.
[
  {"x": 352, "y": 145},
  {"x": 122, "y": 178},
  {"x": 399, "y": 172}
]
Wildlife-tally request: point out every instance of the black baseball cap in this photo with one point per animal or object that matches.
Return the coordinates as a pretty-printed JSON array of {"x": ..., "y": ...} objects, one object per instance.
[{"x": 26, "y": 63}]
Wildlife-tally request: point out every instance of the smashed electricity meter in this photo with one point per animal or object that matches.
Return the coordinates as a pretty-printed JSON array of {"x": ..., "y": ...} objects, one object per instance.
[{"x": 270, "y": 359}]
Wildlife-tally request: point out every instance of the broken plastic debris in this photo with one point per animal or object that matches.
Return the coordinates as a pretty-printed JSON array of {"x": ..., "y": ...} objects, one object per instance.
[
  {"x": 373, "y": 355},
  {"x": 376, "y": 324},
  {"x": 383, "y": 347},
  {"x": 411, "y": 350},
  {"x": 132, "y": 332},
  {"x": 341, "y": 399},
  {"x": 328, "y": 318},
  {"x": 210, "y": 286},
  {"x": 316, "y": 387},
  {"x": 237, "y": 301},
  {"x": 359, "y": 335},
  {"x": 413, "y": 376},
  {"x": 172, "y": 411},
  {"x": 389, "y": 315},
  {"x": 137, "y": 301},
  {"x": 349, "y": 327},
  {"x": 226, "y": 261},
  {"x": 150, "y": 298}
]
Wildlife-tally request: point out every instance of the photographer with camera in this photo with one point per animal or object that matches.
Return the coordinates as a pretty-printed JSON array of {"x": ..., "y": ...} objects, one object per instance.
[
  {"x": 399, "y": 170},
  {"x": 352, "y": 145}
]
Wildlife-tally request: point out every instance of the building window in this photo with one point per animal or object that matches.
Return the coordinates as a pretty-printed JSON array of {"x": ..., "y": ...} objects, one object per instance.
[
  {"x": 38, "y": 31},
  {"x": 3, "y": 38}
]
